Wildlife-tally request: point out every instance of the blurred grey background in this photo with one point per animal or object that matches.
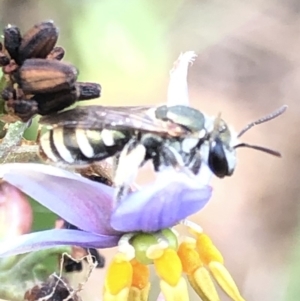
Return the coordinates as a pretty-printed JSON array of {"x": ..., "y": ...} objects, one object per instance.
[{"x": 248, "y": 65}]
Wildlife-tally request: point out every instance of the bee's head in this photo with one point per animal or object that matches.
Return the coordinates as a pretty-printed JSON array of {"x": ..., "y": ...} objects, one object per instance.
[{"x": 219, "y": 151}]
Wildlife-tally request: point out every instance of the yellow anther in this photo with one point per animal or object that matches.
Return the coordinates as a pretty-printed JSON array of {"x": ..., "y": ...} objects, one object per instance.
[
  {"x": 121, "y": 296},
  {"x": 225, "y": 281},
  {"x": 207, "y": 250},
  {"x": 194, "y": 285},
  {"x": 140, "y": 277},
  {"x": 175, "y": 293},
  {"x": 119, "y": 275},
  {"x": 197, "y": 275},
  {"x": 168, "y": 267},
  {"x": 136, "y": 294},
  {"x": 203, "y": 285},
  {"x": 189, "y": 257}
]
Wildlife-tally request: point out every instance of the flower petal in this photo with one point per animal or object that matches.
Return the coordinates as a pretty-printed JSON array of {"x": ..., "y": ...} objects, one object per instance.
[
  {"x": 178, "y": 88},
  {"x": 55, "y": 237},
  {"x": 162, "y": 204},
  {"x": 45, "y": 169},
  {"x": 205, "y": 174},
  {"x": 15, "y": 212},
  {"x": 81, "y": 202}
]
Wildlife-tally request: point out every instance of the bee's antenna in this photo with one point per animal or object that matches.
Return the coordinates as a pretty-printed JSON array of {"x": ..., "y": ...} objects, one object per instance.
[
  {"x": 260, "y": 148},
  {"x": 271, "y": 116}
]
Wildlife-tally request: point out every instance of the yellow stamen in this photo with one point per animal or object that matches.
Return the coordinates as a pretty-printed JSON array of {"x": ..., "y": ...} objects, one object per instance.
[
  {"x": 204, "y": 285},
  {"x": 168, "y": 267},
  {"x": 197, "y": 275},
  {"x": 175, "y": 293},
  {"x": 189, "y": 257},
  {"x": 225, "y": 280},
  {"x": 213, "y": 259},
  {"x": 119, "y": 275},
  {"x": 207, "y": 250},
  {"x": 196, "y": 288},
  {"x": 121, "y": 296},
  {"x": 140, "y": 277},
  {"x": 136, "y": 294}
]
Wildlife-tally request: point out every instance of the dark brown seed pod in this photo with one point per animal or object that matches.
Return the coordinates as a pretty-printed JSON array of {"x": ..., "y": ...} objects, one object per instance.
[
  {"x": 54, "y": 102},
  {"x": 23, "y": 109},
  {"x": 4, "y": 60},
  {"x": 54, "y": 289},
  {"x": 45, "y": 76},
  {"x": 56, "y": 54},
  {"x": 38, "y": 41},
  {"x": 12, "y": 41},
  {"x": 86, "y": 91},
  {"x": 8, "y": 93}
]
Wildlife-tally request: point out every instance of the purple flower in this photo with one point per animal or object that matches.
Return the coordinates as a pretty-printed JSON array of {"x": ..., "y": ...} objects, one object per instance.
[
  {"x": 89, "y": 206},
  {"x": 141, "y": 225}
]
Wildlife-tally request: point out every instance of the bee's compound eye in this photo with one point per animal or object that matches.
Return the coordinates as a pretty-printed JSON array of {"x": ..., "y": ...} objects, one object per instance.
[{"x": 217, "y": 160}]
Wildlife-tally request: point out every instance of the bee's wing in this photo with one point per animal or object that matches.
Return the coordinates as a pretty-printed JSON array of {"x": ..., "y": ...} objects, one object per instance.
[{"x": 140, "y": 118}]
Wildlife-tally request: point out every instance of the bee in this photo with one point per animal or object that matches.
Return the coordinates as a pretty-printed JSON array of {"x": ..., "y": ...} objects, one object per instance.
[{"x": 178, "y": 136}]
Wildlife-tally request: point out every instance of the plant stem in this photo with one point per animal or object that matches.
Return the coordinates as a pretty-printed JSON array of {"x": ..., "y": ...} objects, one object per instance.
[
  {"x": 12, "y": 139},
  {"x": 27, "y": 272}
]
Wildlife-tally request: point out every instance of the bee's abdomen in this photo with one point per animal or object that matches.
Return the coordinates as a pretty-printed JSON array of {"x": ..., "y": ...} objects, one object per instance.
[{"x": 75, "y": 146}]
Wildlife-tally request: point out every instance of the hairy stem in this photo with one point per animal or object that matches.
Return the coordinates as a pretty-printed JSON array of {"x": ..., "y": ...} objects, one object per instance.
[
  {"x": 12, "y": 139},
  {"x": 27, "y": 272}
]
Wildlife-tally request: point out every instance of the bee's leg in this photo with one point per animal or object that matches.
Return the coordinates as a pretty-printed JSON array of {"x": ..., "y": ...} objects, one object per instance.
[
  {"x": 115, "y": 162},
  {"x": 195, "y": 162},
  {"x": 130, "y": 159},
  {"x": 171, "y": 157}
]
